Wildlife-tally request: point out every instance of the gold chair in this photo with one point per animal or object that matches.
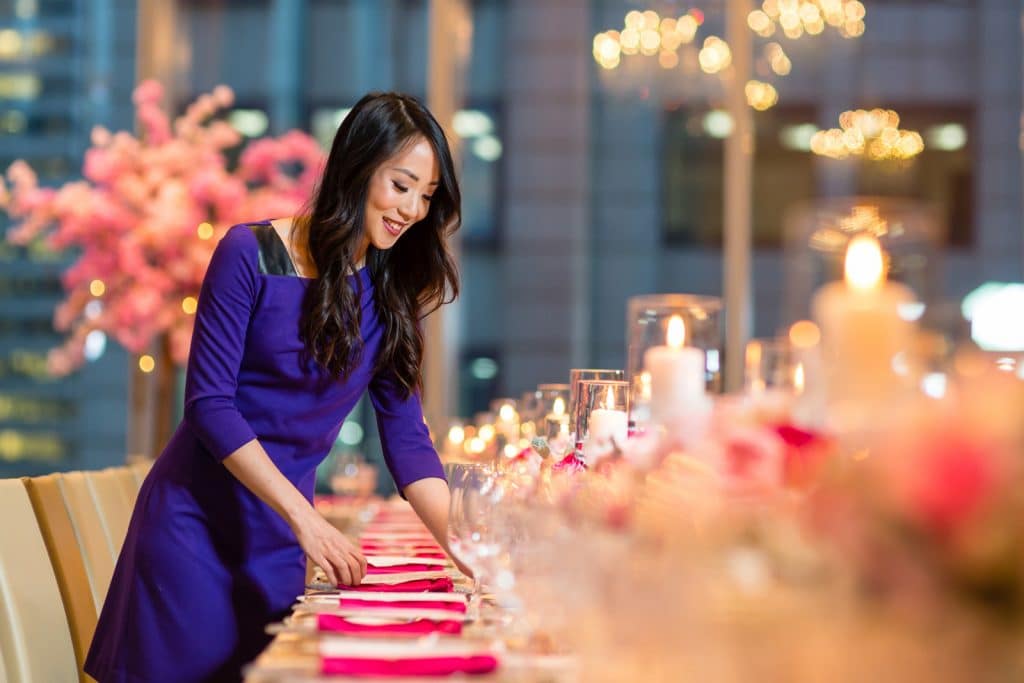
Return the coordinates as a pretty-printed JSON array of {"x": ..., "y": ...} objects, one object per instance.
[
  {"x": 139, "y": 469},
  {"x": 112, "y": 502},
  {"x": 59, "y": 536},
  {"x": 34, "y": 635},
  {"x": 129, "y": 486},
  {"x": 96, "y": 548}
]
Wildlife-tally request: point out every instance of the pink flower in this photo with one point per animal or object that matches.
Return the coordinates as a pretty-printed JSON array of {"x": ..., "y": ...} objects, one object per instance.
[
  {"x": 135, "y": 214},
  {"x": 951, "y": 480},
  {"x": 148, "y": 92},
  {"x": 100, "y": 166},
  {"x": 753, "y": 456},
  {"x": 223, "y": 96},
  {"x": 570, "y": 464},
  {"x": 804, "y": 457}
]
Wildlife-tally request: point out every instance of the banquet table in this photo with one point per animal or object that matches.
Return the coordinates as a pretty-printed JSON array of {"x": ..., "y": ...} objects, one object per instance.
[{"x": 379, "y": 634}]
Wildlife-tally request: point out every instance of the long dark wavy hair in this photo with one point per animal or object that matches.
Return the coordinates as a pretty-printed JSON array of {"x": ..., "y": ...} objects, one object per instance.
[{"x": 411, "y": 279}]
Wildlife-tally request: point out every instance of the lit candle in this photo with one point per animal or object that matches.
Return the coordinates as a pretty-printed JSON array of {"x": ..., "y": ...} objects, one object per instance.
[
  {"x": 556, "y": 419},
  {"x": 604, "y": 426},
  {"x": 676, "y": 375},
  {"x": 862, "y": 330},
  {"x": 507, "y": 425}
]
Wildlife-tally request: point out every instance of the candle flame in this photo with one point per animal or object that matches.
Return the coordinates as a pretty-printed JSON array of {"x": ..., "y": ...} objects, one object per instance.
[
  {"x": 559, "y": 408},
  {"x": 798, "y": 378},
  {"x": 755, "y": 351},
  {"x": 609, "y": 399},
  {"x": 645, "y": 386},
  {"x": 676, "y": 332},
  {"x": 865, "y": 269}
]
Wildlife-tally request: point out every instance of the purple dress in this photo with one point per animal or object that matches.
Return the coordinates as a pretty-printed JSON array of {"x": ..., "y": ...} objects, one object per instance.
[{"x": 206, "y": 565}]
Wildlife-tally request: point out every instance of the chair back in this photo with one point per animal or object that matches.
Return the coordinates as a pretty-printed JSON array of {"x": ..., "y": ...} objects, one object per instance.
[
  {"x": 113, "y": 504},
  {"x": 66, "y": 558},
  {"x": 34, "y": 635},
  {"x": 139, "y": 469},
  {"x": 129, "y": 485},
  {"x": 96, "y": 548}
]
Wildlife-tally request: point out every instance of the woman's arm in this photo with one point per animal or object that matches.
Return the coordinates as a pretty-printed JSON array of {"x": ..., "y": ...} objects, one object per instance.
[
  {"x": 430, "y": 499},
  {"x": 330, "y": 549}
]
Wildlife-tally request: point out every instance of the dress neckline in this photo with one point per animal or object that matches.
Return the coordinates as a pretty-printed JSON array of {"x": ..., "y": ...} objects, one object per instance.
[{"x": 358, "y": 273}]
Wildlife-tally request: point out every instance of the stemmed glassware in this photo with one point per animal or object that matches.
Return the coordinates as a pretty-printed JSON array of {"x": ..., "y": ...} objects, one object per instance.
[{"x": 471, "y": 529}]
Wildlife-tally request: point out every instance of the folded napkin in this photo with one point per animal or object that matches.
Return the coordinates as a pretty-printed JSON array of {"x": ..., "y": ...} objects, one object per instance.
[
  {"x": 418, "y": 666},
  {"x": 337, "y": 624},
  {"x": 440, "y": 585},
  {"x": 369, "y": 603},
  {"x": 423, "y": 552},
  {"x": 398, "y": 536},
  {"x": 395, "y": 560},
  {"x": 399, "y": 568},
  {"x": 399, "y": 543}
]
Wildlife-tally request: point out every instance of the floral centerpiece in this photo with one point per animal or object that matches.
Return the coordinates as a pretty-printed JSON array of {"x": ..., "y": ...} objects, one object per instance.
[{"x": 147, "y": 215}]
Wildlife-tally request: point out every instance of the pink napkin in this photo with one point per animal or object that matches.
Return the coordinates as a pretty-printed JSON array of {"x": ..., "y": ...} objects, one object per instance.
[
  {"x": 415, "y": 545},
  {"x": 403, "y": 550},
  {"x": 420, "y": 666},
  {"x": 399, "y": 568},
  {"x": 443, "y": 585},
  {"x": 414, "y": 604},
  {"x": 336, "y": 624}
]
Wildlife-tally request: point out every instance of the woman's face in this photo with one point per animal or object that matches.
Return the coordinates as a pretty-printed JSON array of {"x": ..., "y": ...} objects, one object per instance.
[{"x": 399, "y": 193}]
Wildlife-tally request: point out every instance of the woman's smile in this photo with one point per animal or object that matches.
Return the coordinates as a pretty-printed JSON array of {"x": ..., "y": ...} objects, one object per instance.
[{"x": 393, "y": 227}]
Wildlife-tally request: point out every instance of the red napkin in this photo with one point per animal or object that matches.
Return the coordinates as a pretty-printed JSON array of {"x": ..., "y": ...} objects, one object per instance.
[
  {"x": 420, "y": 666},
  {"x": 336, "y": 624},
  {"x": 443, "y": 585},
  {"x": 399, "y": 568},
  {"x": 414, "y": 604}
]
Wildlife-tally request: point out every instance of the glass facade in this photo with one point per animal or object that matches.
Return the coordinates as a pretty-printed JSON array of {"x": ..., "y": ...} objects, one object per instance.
[{"x": 64, "y": 67}]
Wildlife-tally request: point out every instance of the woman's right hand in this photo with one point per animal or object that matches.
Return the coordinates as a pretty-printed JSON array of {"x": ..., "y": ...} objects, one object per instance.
[{"x": 332, "y": 551}]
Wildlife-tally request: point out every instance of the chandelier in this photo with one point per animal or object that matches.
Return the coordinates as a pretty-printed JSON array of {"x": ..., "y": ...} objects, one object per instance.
[
  {"x": 646, "y": 34},
  {"x": 873, "y": 134}
]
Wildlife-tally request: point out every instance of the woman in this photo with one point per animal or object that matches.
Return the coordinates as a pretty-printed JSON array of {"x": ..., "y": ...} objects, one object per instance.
[{"x": 296, "y": 319}]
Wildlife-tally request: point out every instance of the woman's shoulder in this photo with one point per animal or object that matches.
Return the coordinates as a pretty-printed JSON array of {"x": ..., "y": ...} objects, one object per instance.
[
  {"x": 244, "y": 235},
  {"x": 244, "y": 240},
  {"x": 238, "y": 250}
]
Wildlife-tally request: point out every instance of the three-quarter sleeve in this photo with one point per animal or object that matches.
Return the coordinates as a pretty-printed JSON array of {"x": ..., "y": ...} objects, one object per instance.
[
  {"x": 404, "y": 437},
  {"x": 226, "y": 302}
]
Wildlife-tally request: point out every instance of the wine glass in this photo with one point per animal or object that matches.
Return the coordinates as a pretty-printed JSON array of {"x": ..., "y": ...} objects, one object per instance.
[{"x": 471, "y": 532}]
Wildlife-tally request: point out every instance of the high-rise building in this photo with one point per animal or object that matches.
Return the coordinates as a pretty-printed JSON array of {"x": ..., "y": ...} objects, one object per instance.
[{"x": 65, "y": 65}]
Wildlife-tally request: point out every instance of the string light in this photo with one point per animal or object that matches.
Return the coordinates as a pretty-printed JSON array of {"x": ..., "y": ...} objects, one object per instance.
[
  {"x": 189, "y": 305},
  {"x": 715, "y": 56},
  {"x": 761, "y": 96},
  {"x": 777, "y": 59},
  {"x": 797, "y": 17}
]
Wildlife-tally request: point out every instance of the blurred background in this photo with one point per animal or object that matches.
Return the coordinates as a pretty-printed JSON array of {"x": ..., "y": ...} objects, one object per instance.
[{"x": 589, "y": 174}]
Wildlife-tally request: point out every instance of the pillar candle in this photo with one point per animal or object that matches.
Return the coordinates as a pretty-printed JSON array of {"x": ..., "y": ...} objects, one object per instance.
[
  {"x": 676, "y": 375},
  {"x": 604, "y": 426},
  {"x": 862, "y": 331}
]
